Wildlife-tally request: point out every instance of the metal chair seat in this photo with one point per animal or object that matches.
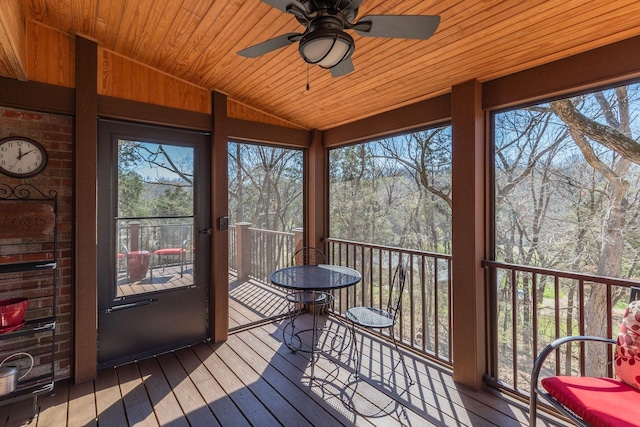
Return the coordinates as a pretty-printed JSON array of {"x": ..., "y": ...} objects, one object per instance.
[{"x": 370, "y": 317}]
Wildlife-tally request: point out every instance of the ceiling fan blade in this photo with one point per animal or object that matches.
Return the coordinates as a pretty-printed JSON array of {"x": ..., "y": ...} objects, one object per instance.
[
  {"x": 270, "y": 45},
  {"x": 397, "y": 26},
  {"x": 282, "y": 4},
  {"x": 344, "y": 67}
]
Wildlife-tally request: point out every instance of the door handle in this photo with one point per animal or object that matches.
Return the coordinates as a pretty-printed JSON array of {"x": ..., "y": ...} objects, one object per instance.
[
  {"x": 130, "y": 305},
  {"x": 207, "y": 231}
]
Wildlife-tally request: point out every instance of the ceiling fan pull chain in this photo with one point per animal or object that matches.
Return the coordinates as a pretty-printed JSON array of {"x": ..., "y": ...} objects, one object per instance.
[{"x": 308, "y": 86}]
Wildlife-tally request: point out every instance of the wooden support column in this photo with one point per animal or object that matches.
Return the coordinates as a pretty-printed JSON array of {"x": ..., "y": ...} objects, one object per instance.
[
  {"x": 316, "y": 182},
  {"x": 219, "y": 297},
  {"x": 85, "y": 181},
  {"x": 468, "y": 229}
]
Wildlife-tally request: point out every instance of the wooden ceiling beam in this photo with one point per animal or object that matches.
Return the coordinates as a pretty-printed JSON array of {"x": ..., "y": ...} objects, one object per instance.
[{"x": 13, "y": 47}]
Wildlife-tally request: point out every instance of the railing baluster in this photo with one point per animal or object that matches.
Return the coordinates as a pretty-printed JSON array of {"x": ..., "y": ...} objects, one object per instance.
[
  {"x": 556, "y": 291},
  {"x": 534, "y": 313},
  {"x": 514, "y": 322},
  {"x": 609, "y": 331},
  {"x": 581, "y": 326},
  {"x": 412, "y": 304}
]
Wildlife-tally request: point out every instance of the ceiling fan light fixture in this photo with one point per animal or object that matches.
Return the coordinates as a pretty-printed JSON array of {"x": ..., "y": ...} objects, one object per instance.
[{"x": 326, "y": 47}]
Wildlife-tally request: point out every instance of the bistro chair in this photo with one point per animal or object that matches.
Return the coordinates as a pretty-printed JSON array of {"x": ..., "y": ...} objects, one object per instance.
[
  {"x": 297, "y": 299},
  {"x": 170, "y": 247},
  {"x": 160, "y": 255},
  {"x": 378, "y": 319},
  {"x": 594, "y": 401}
]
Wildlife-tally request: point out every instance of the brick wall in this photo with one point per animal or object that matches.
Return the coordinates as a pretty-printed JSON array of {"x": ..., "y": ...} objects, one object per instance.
[{"x": 55, "y": 133}]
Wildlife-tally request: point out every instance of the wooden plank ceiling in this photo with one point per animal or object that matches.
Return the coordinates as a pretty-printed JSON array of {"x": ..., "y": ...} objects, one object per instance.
[{"x": 197, "y": 41}]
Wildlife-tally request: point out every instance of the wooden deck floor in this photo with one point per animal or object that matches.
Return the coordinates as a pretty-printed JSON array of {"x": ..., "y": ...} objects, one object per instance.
[
  {"x": 253, "y": 301},
  {"x": 255, "y": 380}
]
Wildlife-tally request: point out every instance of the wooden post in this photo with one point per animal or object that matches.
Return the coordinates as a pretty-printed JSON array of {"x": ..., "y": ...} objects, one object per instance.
[
  {"x": 219, "y": 294},
  {"x": 134, "y": 236},
  {"x": 85, "y": 196},
  {"x": 298, "y": 239},
  {"x": 316, "y": 189},
  {"x": 469, "y": 234},
  {"x": 243, "y": 250}
]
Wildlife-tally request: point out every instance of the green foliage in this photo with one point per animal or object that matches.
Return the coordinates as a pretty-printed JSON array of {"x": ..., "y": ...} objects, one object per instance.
[
  {"x": 173, "y": 201},
  {"x": 130, "y": 189}
]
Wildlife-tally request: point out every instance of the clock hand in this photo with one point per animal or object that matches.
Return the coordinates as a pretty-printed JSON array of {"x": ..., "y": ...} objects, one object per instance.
[
  {"x": 20, "y": 153},
  {"x": 15, "y": 164},
  {"x": 30, "y": 151}
]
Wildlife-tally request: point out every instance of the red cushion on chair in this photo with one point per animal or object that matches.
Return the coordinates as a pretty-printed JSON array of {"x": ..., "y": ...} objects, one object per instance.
[
  {"x": 170, "y": 251},
  {"x": 598, "y": 401}
]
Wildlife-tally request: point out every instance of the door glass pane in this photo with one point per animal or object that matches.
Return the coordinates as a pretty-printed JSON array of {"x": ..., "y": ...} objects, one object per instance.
[{"x": 154, "y": 220}]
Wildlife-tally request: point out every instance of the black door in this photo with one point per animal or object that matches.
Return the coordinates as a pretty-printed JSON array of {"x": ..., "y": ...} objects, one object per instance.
[{"x": 153, "y": 217}]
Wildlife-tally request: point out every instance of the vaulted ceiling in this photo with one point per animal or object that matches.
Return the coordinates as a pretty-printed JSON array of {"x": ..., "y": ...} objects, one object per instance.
[{"x": 197, "y": 41}]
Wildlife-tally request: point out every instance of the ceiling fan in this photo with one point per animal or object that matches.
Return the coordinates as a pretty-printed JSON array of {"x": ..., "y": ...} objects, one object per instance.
[{"x": 324, "y": 41}]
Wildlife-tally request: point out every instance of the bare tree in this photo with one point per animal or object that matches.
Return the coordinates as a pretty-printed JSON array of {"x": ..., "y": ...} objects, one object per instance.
[
  {"x": 265, "y": 186},
  {"x": 615, "y": 135}
]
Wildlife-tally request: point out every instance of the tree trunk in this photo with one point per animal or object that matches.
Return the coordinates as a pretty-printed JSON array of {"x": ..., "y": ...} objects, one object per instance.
[{"x": 609, "y": 264}]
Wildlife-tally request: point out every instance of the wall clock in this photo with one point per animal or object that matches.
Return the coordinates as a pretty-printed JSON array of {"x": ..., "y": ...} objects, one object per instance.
[{"x": 21, "y": 157}]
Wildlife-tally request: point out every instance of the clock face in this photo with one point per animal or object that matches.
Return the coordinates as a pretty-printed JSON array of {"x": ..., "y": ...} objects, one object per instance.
[{"x": 21, "y": 157}]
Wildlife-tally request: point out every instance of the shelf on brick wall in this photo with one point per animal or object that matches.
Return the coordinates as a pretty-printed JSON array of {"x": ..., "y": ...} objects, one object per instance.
[{"x": 28, "y": 267}]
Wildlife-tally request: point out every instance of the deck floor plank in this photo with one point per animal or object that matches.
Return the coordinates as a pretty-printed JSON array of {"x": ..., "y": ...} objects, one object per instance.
[
  {"x": 53, "y": 408},
  {"x": 165, "y": 404},
  {"x": 82, "y": 406},
  {"x": 293, "y": 368},
  {"x": 226, "y": 412},
  {"x": 109, "y": 400},
  {"x": 137, "y": 405},
  {"x": 336, "y": 372},
  {"x": 193, "y": 405},
  {"x": 313, "y": 411},
  {"x": 334, "y": 381},
  {"x": 268, "y": 394},
  {"x": 21, "y": 414},
  {"x": 252, "y": 408},
  {"x": 5, "y": 410}
]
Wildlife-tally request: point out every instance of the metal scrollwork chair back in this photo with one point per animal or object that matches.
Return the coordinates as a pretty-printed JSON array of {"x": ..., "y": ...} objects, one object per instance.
[{"x": 376, "y": 318}]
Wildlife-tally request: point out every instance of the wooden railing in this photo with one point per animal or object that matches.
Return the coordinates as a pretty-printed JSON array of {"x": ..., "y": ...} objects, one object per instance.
[
  {"x": 425, "y": 321},
  {"x": 270, "y": 251},
  {"x": 532, "y": 307},
  {"x": 255, "y": 253}
]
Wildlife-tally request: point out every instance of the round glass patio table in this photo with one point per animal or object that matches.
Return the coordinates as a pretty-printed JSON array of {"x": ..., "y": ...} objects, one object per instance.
[{"x": 314, "y": 280}]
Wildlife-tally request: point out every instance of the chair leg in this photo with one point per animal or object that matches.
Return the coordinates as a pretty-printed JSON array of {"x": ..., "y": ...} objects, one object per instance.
[
  {"x": 356, "y": 358},
  {"x": 404, "y": 365}
]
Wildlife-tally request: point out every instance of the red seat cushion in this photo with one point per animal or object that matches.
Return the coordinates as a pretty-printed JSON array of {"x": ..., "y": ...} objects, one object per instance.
[
  {"x": 598, "y": 401},
  {"x": 170, "y": 251}
]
